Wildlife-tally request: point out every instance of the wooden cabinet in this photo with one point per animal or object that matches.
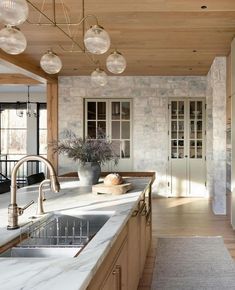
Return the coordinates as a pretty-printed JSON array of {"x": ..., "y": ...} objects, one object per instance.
[
  {"x": 112, "y": 273},
  {"x": 142, "y": 237},
  {"x": 139, "y": 237},
  {"x": 123, "y": 267},
  {"x": 117, "y": 278},
  {"x": 133, "y": 251}
]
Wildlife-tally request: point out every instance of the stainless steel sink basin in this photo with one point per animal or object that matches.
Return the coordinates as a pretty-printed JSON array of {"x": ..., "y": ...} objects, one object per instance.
[
  {"x": 59, "y": 235},
  {"x": 41, "y": 252}
]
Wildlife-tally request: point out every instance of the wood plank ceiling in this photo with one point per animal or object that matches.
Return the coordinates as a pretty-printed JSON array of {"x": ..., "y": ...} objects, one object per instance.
[{"x": 157, "y": 37}]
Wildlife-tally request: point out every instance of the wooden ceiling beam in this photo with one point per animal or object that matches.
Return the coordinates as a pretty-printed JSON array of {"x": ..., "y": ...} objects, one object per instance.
[
  {"x": 22, "y": 65},
  {"x": 16, "y": 79}
]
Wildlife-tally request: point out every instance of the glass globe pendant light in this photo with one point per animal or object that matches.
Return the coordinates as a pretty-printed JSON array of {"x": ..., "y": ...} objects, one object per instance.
[
  {"x": 50, "y": 62},
  {"x": 13, "y": 12},
  {"x": 116, "y": 62},
  {"x": 99, "y": 77},
  {"x": 12, "y": 40},
  {"x": 96, "y": 40}
]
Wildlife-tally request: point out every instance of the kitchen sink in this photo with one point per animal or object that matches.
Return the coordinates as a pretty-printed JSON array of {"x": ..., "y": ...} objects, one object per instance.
[
  {"x": 59, "y": 235},
  {"x": 41, "y": 252}
]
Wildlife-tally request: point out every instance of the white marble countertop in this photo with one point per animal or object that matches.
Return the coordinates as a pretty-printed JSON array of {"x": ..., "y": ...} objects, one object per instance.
[{"x": 65, "y": 273}]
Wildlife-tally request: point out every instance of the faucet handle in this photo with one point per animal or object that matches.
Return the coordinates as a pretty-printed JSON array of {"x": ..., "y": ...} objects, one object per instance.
[{"x": 22, "y": 209}]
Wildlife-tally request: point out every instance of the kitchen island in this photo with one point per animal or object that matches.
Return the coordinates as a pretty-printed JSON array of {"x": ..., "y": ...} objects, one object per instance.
[{"x": 83, "y": 271}]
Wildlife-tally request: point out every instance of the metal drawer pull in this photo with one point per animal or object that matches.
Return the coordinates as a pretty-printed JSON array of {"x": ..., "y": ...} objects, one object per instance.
[
  {"x": 137, "y": 211},
  {"x": 118, "y": 273},
  {"x": 148, "y": 217},
  {"x": 143, "y": 210}
]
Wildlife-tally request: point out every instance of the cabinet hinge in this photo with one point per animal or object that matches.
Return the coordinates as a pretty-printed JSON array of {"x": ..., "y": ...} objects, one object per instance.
[
  {"x": 168, "y": 133},
  {"x": 169, "y": 106},
  {"x": 168, "y": 184},
  {"x": 205, "y": 183},
  {"x": 168, "y": 158},
  {"x": 205, "y": 158},
  {"x": 205, "y": 106}
]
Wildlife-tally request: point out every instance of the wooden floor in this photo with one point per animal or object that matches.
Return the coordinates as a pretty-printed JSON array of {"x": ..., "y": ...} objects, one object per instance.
[{"x": 184, "y": 217}]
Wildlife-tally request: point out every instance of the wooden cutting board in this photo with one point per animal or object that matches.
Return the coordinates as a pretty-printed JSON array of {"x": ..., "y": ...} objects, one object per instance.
[{"x": 111, "y": 189}]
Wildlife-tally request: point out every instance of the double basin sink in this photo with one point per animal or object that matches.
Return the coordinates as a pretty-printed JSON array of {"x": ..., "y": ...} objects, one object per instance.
[{"x": 58, "y": 235}]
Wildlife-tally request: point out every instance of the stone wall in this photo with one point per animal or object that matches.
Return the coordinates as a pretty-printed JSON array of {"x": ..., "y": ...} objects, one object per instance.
[
  {"x": 150, "y": 96},
  {"x": 216, "y": 134}
]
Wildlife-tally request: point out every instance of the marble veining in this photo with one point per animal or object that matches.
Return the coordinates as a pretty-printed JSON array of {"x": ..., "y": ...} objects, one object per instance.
[{"x": 66, "y": 273}]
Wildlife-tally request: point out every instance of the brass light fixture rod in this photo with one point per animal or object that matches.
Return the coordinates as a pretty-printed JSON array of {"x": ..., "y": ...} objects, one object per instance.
[{"x": 52, "y": 22}]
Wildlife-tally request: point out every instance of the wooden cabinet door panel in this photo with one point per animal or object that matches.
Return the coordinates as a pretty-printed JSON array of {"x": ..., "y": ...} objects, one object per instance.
[
  {"x": 117, "y": 278},
  {"x": 133, "y": 253},
  {"x": 142, "y": 242}
]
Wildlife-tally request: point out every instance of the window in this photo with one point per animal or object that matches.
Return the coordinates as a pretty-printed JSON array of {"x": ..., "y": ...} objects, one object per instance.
[
  {"x": 13, "y": 131},
  {"x": 96, "y": 118},
  {"x": 114, "y": 117},
  {"x": 21, "y": 135},
  {"x": 121, "y": 128},
  {"x": 42, "y": 130}
]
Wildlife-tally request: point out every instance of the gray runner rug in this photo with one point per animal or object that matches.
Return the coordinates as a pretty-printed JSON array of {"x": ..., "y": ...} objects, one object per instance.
[{"x": 193, "y": 263}]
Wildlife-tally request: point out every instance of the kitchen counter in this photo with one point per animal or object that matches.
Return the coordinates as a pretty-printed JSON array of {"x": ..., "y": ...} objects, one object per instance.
[{"x": 66, "y": 273}]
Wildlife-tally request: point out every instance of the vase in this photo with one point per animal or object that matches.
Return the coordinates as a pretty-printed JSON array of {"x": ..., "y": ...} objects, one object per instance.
[{"x": 89, "y": 173}]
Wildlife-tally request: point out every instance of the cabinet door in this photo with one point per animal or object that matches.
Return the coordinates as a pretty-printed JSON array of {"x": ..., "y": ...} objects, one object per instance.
[
  {"x": 133, "y": 252},
  {"x": 117, "y": 279},
  {"x": 110, "y": 283},
  {"x": 187, "y": 147},
  {"x": 178, "y": 155},
  {"x": 143, "y": 247},
  {"x": 147, "y": 237},
  {"x": 197, "y": 164}
]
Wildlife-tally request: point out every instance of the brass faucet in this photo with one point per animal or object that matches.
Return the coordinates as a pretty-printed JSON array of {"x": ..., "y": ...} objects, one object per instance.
[
  {"x": 41, "y": 197},
  {"x": 13, "y": 210}
]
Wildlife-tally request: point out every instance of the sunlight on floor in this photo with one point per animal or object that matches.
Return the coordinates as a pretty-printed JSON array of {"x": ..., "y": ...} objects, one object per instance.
[{"x": 180, "y": 201}]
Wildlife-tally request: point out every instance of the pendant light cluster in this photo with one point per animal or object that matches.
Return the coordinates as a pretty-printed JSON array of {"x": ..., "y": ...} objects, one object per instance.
[
  {"x": 96, "y": 41},
  {"x": 13, "y": 13}
]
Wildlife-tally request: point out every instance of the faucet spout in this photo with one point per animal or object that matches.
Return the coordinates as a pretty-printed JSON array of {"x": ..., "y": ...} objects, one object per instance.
[
  {"x": 13, "y": 209},
  {"x": 55, "y": 186}
]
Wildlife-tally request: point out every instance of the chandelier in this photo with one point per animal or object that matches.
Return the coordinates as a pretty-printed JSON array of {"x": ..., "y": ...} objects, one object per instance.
[
  {"x": 29, "y": 111},
  {"x": 96, "y": 40}
]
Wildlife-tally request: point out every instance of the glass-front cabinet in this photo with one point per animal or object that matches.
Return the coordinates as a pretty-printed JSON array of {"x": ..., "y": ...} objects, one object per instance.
[
  {"x": 187, "y": 147},
  {"x": 196, "y": 129},
  {"x": 177, "y": 129},
  {"x": 114, "y": 118}
]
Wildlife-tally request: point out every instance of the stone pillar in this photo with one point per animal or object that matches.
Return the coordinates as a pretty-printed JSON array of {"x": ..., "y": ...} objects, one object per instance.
[
  {"x": 233, "y": 133},
  {"x": 216, "y": 135}
]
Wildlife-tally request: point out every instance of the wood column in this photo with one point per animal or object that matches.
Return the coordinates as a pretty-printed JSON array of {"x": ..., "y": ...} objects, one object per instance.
[{"x": 52, "y": 122}]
